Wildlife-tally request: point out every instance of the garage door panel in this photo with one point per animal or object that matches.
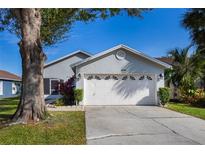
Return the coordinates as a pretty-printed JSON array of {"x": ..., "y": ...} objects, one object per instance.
[{"x": 119, "y": 92}]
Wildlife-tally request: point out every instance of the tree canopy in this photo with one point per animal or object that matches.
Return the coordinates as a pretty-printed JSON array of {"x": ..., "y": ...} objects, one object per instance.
[
  {"x": 186, "y": 68},
  {"x": 194, "y": 21},
  {"x": 56, "y": 23}
]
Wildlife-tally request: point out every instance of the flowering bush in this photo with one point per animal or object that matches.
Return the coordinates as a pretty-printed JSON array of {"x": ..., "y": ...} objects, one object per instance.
[
  {"x": 192, "y": 96},
  {"x": 66, "y": 89}
]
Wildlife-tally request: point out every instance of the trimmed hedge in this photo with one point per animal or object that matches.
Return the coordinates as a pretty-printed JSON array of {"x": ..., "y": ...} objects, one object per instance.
[
  {"x": 164, "y": 95},
  {"x": 78, "y": 95}
]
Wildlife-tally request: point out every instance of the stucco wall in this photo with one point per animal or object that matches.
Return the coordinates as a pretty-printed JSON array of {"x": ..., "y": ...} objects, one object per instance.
[
  {"x": 110, "y": 64},
  {"x": 62, "y": 69}
]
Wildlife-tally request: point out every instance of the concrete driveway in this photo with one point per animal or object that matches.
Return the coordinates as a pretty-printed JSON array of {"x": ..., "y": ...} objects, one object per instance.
[{"x": 142, "y": 125}]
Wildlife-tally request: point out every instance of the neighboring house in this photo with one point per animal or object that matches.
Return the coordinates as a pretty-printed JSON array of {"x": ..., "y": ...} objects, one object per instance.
[
  {"x": 117, "y": 76},
  {"x": 9, "y": 84},
  {"x": 167, "y": 60}
]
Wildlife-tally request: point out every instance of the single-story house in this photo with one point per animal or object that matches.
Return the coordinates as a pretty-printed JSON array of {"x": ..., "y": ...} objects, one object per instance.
[
  {"x": 118, "y": 76},
  {"x": 9, "y": 84}
]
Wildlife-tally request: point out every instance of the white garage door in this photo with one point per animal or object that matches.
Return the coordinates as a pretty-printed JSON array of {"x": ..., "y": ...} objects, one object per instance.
[{"x": 119, "y": 89}]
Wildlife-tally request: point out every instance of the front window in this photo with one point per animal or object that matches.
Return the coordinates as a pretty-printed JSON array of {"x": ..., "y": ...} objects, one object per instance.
[{"x": 55, "y": 87}]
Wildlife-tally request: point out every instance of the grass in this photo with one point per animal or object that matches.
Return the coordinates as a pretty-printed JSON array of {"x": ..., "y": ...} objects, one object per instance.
[
  {"x": 187, "y": 109},
  {"x": 59, "y": 128},
  {"x": 7, "y": 107}
]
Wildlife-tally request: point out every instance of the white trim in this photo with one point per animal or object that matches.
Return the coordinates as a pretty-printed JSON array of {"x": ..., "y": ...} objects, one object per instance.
[
  {"x": 66, "y": 56},
  {"x": 127, "y": 48},
  {"x": 129, "y": 73},
  {"x": 156, "y": 81},
  {"x": 84, "y": 91},
  {"x": 1, "y": 88}
]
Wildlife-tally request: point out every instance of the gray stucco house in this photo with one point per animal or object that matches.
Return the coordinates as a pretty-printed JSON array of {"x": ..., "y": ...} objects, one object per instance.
[
  {"x": 118, "y": 76},
  {"x": 60, "y": 70},
  {"x": 9, "y": 84}
]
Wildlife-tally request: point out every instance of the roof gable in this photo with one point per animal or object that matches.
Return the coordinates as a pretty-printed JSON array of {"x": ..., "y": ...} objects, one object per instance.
[
  {"x": 66, "y": 57},
  {"x": 126, "y": 48}
]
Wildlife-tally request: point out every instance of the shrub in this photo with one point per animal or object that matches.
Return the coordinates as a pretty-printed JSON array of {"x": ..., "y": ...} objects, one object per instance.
[
  {"x": 193, "y": 97},
  {"x": 78, "y": 95},
  {"x": 67, "y": 91},
  {"x": 164, "y": 95},
  {"x": 187, "y": 90},
  {"x": 59, "y": 102},
  {"x": 200, "y": 103},
  {"x": 187, "y": 95},
  {"x": 200, "y": 93}
]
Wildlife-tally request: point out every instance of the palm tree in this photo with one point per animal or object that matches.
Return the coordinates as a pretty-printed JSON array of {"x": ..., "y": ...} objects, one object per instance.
[
  {"x": 186, "y": 69},
  {"x": 194, "y": 21}
]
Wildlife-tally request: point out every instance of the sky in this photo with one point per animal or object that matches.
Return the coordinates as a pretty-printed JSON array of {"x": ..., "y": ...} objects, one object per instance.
[{"x": 155, "y": 34}]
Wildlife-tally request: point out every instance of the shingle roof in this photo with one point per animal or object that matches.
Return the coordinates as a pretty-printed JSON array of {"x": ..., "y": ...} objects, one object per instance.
[
  {"x": 9, "y": 76},
  {"x": 166, "y": 60}
]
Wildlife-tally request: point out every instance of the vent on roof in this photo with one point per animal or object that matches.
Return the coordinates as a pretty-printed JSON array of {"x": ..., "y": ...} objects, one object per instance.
[{"x": 120, "y": 55}]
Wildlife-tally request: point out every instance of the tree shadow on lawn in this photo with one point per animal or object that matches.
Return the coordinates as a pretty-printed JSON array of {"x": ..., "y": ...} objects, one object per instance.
[
  {"x": 7, "y": 109},
  {"x": 9, "y": 102},
  {"x": 6, "y": 114},
  {"x": 5, "y": 117}
]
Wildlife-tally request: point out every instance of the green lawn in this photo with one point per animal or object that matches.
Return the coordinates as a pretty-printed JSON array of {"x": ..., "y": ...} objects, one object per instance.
[
  {"x": 59, "y": 128},
  {"x": 7, "y": 108},
  {"x": 187, "y": 109}
]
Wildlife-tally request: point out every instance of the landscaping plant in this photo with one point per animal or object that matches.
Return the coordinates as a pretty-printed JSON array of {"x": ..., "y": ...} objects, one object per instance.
[
  {"x": 194, "y": 97},
  {"x": 186, "y": 72},
  {"x": 67, "y": 91},
  {"x": 59, "y": 102},
  {"x": 164, "y": 95},
  {"x": 78, "y": 95}
]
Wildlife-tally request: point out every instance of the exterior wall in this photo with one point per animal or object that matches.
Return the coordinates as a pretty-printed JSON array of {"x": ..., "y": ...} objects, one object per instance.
[
  {"x": 109, "y": 64},
  {"x": 7, "y": 89},
  {"x": 62, "y": 69}
]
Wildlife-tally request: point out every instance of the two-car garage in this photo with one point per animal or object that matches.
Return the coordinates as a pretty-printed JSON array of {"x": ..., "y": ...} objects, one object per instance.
[
  {"x": 119, "y": 89},
  {"x": 120, "y": 76}
]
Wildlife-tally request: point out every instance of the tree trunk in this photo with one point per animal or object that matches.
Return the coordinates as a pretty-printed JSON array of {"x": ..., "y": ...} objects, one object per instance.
[{"x": 32, "y": 105}]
